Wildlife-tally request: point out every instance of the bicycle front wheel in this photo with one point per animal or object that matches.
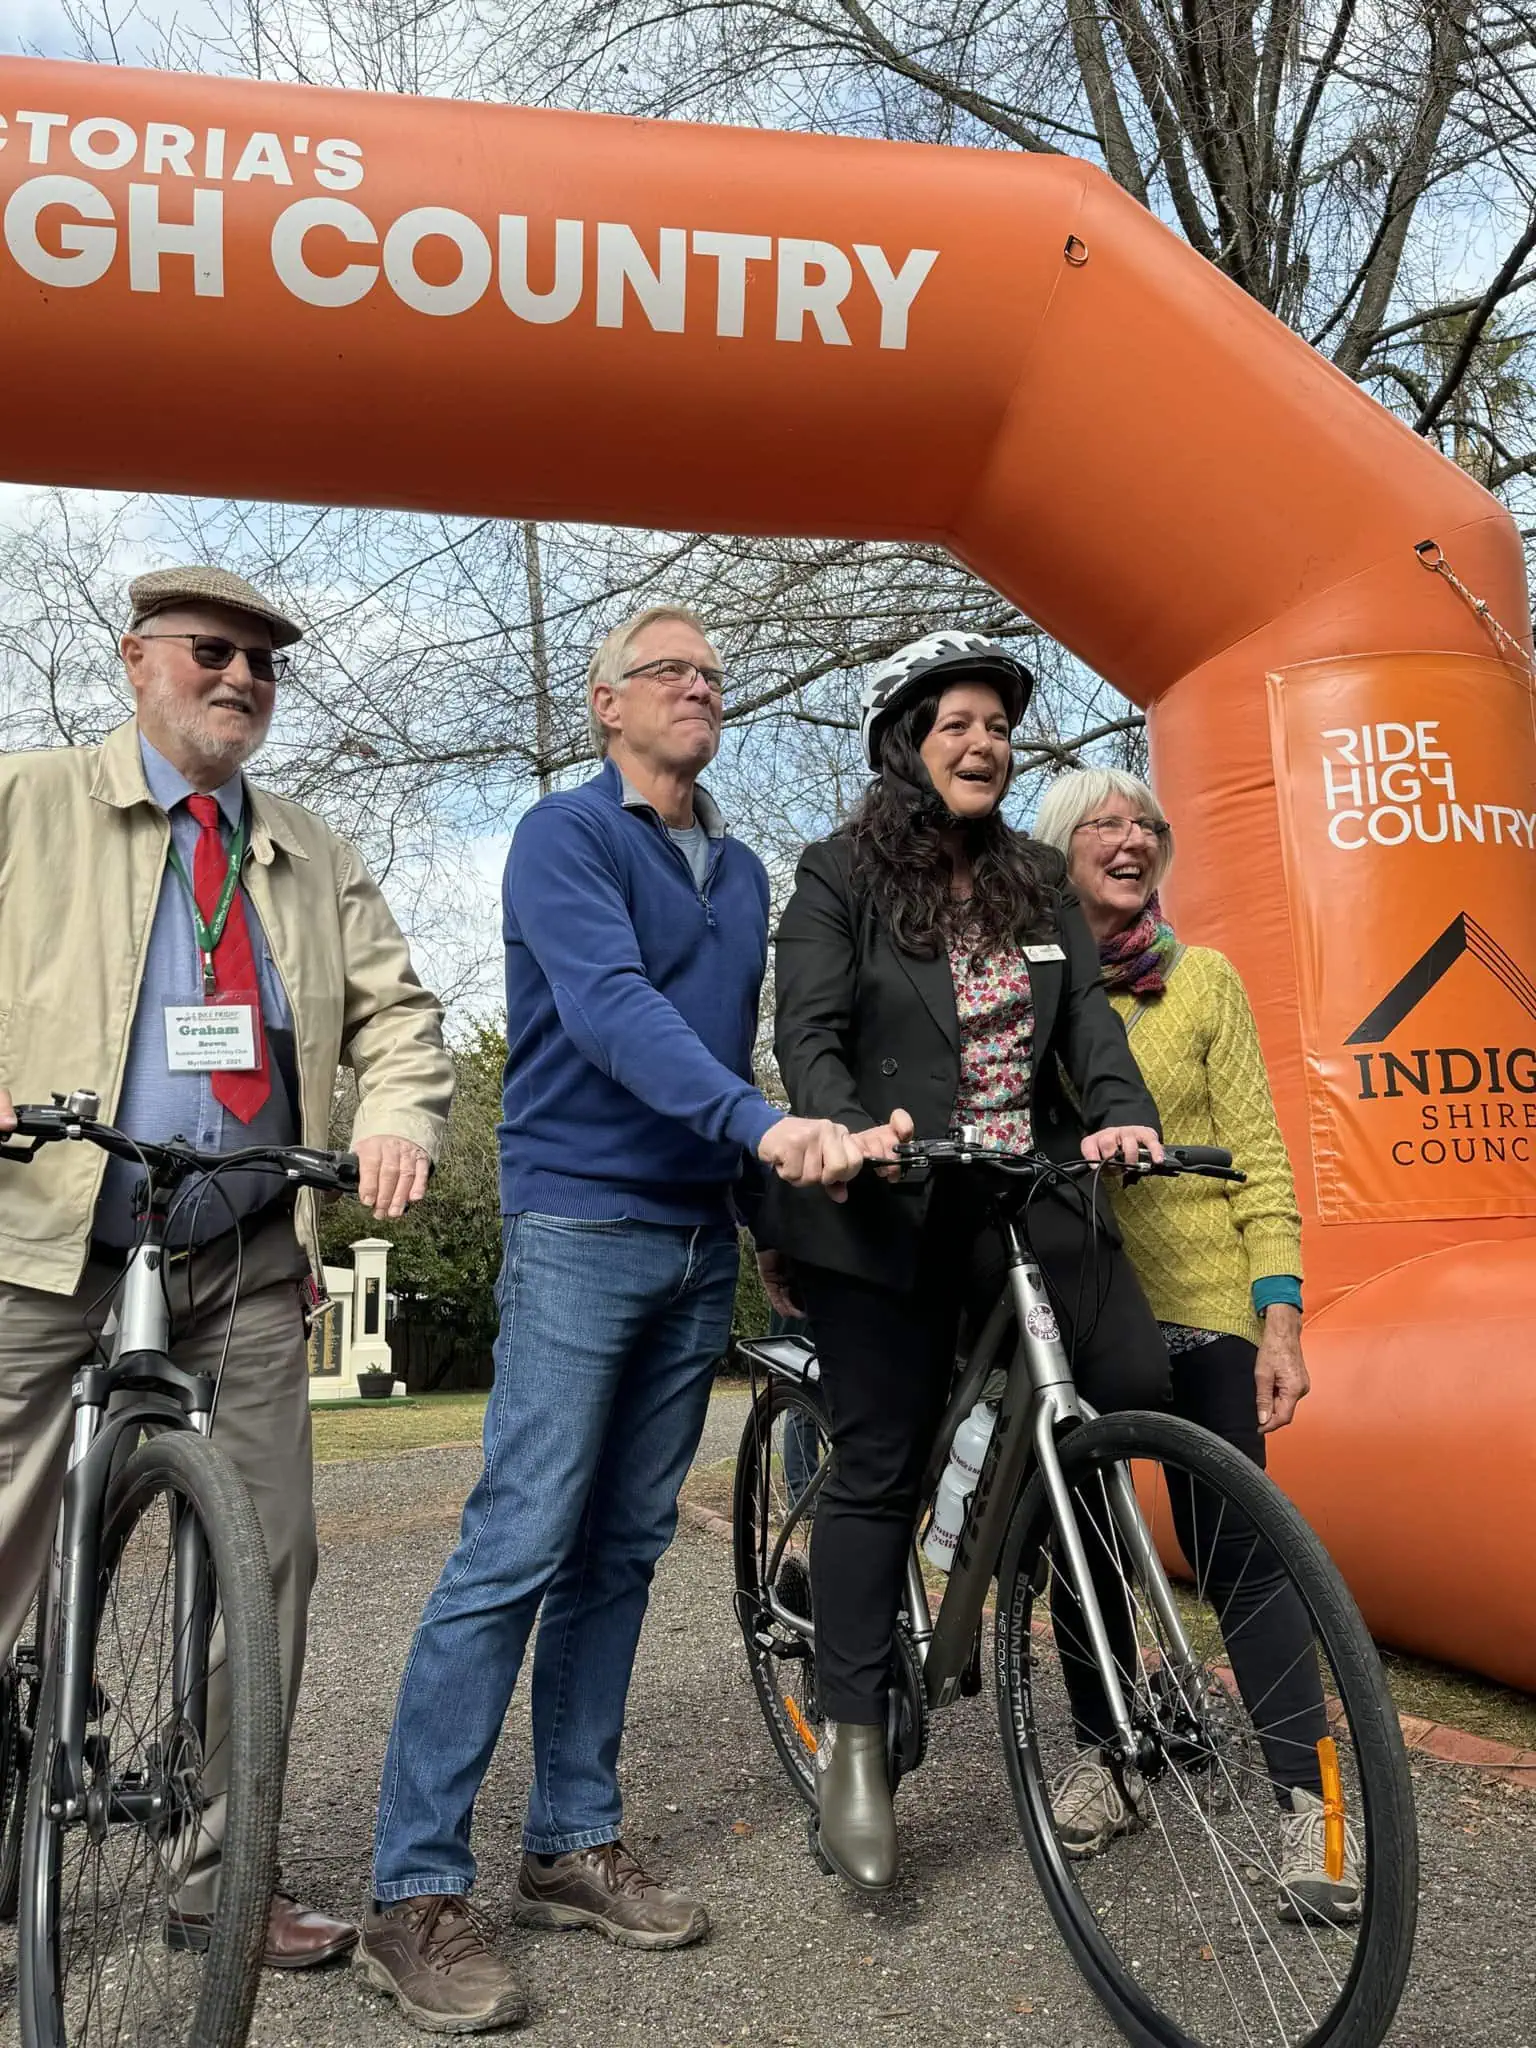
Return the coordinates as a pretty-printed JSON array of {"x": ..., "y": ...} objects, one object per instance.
[
  {"x": 1253, "y": 1878},
  {"x": 182, "y": 1768},
  {"x": 19, "y": 1688}
]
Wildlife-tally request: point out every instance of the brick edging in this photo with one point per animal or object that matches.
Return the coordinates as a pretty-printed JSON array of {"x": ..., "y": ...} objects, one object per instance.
[{"x": 1500, "y": 1761}]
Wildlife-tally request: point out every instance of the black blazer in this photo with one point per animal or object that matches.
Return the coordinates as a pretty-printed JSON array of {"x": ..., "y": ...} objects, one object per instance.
[{"x": 862, "y": 1028}]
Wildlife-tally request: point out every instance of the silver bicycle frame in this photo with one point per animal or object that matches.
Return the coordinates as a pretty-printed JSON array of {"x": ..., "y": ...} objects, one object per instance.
[{"x": 1039, "y": 1401}]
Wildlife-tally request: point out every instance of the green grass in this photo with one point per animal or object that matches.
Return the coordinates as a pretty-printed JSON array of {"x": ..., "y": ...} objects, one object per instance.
[
  {"x": 383, "y": 1429},
  {"x": 1437, "y": 1693}
]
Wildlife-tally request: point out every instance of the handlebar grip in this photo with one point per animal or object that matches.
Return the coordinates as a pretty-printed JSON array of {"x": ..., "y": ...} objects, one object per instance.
[
  {"x": 1199, "y": 1155},
  {"x": 347, "y": 1167}
]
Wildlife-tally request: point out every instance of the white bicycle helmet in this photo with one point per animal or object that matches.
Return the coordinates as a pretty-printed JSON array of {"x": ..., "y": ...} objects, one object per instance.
[{"x": 953, "y": 654}]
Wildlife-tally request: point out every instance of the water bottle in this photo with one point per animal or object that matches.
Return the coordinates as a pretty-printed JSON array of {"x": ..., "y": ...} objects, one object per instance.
[{"x": 966, "y": 1454}]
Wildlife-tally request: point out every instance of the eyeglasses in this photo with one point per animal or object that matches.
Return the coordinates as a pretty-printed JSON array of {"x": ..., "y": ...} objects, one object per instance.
[
  {"x": 679, "y": 675},
  {"x": 1115, "y": 831},
  {"x": 209, "y": 650}
]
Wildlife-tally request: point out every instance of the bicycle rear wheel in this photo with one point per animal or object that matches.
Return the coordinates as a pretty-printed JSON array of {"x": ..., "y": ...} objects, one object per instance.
[
  {"x": 185, "y": 1640},
  {"x": 1209, "y": 1913},
  {"x": 784, "y": 1448}
]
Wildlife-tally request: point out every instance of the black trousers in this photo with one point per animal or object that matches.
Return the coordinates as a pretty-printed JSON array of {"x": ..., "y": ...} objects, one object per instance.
[
  {"x": 1264, "y": 1624},
  {"x": 886, "y": 1362}
]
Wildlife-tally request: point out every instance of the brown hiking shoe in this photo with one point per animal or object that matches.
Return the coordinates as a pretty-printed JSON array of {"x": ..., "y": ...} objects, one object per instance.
[
  {"x": 605, "y": 1888},
  {"x": 431, "y": 1955}
]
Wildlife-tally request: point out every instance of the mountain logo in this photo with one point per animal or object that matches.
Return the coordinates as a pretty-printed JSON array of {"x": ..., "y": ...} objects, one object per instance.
[{"x": 1462, "y": 935}]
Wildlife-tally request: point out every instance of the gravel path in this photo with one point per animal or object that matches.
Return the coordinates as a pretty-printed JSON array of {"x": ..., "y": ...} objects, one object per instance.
[{"x": 961, "y": 1952}]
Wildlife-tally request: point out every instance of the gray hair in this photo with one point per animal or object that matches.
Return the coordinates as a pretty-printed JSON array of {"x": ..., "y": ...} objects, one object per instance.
[
  {"x": 1081, "y": 793},
  {"x": 607, "y": 665}
]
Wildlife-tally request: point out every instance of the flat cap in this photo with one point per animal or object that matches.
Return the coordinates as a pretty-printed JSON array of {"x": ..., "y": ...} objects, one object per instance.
[{"x": 163, "y": 589}]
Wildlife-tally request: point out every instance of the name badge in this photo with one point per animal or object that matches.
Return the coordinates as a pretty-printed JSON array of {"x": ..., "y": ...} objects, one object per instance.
[
  {"x": 210, "y": 1038},
  {"x": 1044, "y": 953}
]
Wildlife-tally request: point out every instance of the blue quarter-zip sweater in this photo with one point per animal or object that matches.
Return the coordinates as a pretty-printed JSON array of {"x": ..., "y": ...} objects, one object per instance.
[{"x": 631, "y": 1013}]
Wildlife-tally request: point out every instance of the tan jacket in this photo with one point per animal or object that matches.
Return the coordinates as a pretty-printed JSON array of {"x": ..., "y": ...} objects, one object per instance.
[{"x": 82, "y": 862}]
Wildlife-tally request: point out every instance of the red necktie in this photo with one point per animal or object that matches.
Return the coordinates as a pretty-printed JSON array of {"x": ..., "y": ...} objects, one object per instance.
[{"x": 234, "y": 964}]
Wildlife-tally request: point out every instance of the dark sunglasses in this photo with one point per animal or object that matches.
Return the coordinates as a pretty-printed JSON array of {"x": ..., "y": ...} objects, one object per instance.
[{"x": 209, "y": 650}]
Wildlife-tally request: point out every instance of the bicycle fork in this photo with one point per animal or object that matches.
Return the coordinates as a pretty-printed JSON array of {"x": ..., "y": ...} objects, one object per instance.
[{"x": 139, "y": 1324}]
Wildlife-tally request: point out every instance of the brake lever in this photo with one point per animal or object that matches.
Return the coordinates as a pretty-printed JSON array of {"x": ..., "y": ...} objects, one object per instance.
[{"x": 18, "y": 1152}]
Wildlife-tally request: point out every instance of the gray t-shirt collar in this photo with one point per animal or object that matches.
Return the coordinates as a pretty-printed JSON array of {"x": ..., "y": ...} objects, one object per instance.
[{"x": 706, "y": 811}]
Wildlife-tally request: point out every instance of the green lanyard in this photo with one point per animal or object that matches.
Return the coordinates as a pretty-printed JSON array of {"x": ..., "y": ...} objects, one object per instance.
[{"x": 209, "y": 935}]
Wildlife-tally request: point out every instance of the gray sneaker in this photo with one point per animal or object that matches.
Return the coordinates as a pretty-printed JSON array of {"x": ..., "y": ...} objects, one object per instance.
[
  {"x": 1307, "y": 1892},
  {"x": 606, "y": 1888},
  {"x": 1089, "y": 1808},
  {"x": 432, "y": 1956}
]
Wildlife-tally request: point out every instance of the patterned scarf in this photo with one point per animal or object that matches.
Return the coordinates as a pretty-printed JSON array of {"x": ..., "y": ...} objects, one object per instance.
[{"x": 1136, "y": 961}]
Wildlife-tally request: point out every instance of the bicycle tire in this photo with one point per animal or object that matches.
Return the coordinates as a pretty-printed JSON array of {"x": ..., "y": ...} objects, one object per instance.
[
  {"x": 12, "y": 1789},
  {"x": 1077, "y": 1885},
  {"x": 18, "y": 1721},
  {"x": 216, "y": 1991},
  {"x": 792, "y": 1718}
]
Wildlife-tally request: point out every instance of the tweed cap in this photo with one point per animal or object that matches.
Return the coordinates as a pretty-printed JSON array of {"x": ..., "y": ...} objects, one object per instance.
[{"x": 163, "y": 589}]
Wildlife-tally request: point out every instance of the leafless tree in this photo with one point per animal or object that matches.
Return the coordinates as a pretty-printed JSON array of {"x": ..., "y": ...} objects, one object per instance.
[{"x": 1368, "y": 173}]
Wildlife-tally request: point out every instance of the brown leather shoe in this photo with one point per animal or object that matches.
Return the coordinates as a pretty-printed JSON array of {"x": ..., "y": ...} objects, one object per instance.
[
  {"x": 298, "y": 1938},
  {"x": 606, "y": 1888},
  {"x": 432, "y": 1957}
]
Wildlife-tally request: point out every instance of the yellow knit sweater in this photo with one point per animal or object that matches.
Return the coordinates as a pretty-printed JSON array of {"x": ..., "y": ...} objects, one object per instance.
[{"x": 1197, "y": 1245}]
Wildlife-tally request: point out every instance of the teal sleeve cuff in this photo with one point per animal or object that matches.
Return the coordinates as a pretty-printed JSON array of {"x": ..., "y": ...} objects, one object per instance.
[{"x": 1283, "y": 1287}]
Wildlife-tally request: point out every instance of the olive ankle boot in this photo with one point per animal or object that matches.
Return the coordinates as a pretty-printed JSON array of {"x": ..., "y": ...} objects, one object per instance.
[{"x": 857, "y": 1826}]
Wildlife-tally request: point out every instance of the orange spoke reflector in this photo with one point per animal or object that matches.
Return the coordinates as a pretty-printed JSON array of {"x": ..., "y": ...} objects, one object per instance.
[
  {"x": 1333, "y": 1808},
  {"x": 801, "y": 1726}
]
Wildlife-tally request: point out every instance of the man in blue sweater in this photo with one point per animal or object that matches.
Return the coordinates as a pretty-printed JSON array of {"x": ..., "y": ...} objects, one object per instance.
[{"x": 636, "y": 936}]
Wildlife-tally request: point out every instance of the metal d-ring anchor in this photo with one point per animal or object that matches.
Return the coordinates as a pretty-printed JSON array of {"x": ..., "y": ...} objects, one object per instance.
[{"x": 1076, "y": 252}]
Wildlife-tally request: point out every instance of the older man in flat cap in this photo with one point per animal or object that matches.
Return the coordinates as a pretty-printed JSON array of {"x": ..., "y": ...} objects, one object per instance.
[{"x": 107, "y": 855}]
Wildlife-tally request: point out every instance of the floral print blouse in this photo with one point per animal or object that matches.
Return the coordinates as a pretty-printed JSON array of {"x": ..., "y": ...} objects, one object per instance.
[{"x": 997, "y": 1034}]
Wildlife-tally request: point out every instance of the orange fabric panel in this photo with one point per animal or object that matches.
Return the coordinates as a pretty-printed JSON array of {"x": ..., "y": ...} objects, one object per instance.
[{"x": 1407, "y": 793}]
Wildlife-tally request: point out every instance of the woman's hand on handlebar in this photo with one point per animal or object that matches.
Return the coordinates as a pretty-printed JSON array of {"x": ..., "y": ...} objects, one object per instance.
[
  {"x": 391, "y": 1174},
  {"x": 880, "y": 1143},
  {"x": 1123, "y": 1142}
]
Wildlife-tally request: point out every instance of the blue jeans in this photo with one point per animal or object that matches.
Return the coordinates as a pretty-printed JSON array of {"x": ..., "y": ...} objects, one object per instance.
[{"x": 608, "y": 1335}]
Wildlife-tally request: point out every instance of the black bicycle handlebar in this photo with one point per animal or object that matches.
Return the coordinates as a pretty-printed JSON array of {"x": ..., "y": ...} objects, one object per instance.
[
  {"x": 75, "y": 1118},
  {"x": 1208, "y": 1162}
]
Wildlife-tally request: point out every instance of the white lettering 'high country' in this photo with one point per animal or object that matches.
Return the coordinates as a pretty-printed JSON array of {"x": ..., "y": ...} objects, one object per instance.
[
  {"x": 67, "y": 232},
  {"x": 1388, "y": 783}
]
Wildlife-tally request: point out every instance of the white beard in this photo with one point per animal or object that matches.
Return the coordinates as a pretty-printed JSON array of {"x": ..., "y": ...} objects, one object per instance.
[{"x": 191, "y": 727}]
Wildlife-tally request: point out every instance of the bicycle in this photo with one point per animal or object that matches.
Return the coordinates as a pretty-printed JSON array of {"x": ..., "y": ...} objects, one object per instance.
[
  {"x": 1156, "y": 1542},
  {"x": 156, "y": 1622}
]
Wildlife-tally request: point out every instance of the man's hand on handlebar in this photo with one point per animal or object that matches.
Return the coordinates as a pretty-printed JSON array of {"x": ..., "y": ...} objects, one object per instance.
[
  {"x": 391, "y": 1174},
  {"x": 1123, "y": 1143},
  {"x": 810, "y": 1152},
  {"x": 7, "y": 1112}
]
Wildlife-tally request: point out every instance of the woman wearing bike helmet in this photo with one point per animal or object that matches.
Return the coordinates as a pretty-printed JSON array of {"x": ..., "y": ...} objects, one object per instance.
[
  {"x": 1221, "y": 1265},
  {"x": 933, "y": 970}
]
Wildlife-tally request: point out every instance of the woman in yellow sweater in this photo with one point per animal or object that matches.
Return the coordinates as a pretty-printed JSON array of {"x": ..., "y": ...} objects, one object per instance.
[{"x": 1219, "y": 1264}]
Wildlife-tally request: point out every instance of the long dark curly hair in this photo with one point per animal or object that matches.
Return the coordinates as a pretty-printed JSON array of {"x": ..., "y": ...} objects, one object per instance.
[{"x": 900, "y": 852}]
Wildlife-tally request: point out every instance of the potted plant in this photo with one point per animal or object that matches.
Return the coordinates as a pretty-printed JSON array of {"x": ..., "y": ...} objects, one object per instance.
[{"x": 375, "y": 1386}]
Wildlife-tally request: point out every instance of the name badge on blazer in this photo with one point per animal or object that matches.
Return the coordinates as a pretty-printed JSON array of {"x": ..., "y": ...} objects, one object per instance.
[{"x": 1044, "y": 953}]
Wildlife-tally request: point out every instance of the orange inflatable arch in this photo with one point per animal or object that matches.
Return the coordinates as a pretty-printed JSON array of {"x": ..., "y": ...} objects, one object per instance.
[{"x": 271, "y": 292}]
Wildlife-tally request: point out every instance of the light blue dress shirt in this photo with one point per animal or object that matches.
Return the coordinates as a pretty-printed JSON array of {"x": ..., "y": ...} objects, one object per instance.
[{"x": 156, "y": 1104}]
